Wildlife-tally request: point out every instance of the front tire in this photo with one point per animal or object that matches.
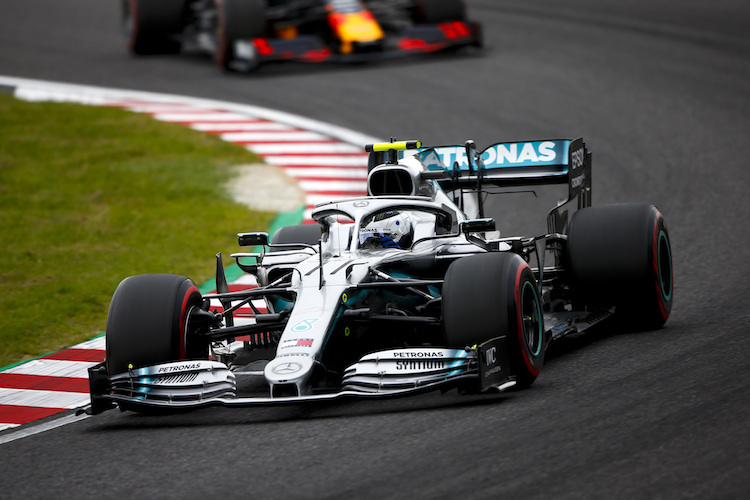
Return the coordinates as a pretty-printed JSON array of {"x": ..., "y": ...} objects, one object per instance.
[
  {"x": 620, "y": 255},
  {"x": 153, "y": 26},
  {"x": 147, "y": 323},
  {"x": 494, "y": 294}
]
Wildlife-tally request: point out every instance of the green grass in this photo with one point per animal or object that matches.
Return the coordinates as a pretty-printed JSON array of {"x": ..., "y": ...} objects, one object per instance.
[{"x": 91, "y": 195}]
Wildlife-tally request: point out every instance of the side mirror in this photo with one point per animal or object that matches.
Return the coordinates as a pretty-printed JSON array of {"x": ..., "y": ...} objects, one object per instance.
[
  {"x": 476, "y": 226},
  {"x": 252, "y": 239}
]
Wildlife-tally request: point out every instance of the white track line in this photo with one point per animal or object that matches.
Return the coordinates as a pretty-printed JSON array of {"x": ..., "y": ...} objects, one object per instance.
[
  {"x": 240, "y": 126},
  {"x": 37, "y": 429},
  {"x": 281, "y": 136},
  {"x": 95, "y": 343},
  {"x": 303, "y": 147},
  {"x": 302, "y": 172},
  {"x": 53, "y": 368},
  {"x": 324, "y": 185},
  {"x": 353, "y": 161},
  {"x": 217, "y": 117},
  {"x": 42, "y": 399}
]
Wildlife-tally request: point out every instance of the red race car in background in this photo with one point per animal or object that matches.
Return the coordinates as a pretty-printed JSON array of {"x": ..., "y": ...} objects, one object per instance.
[{"x": 243, "y": 34}]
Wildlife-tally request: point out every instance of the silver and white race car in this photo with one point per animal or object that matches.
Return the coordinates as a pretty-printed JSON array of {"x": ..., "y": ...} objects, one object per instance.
[{"x": 394, "y": 293}]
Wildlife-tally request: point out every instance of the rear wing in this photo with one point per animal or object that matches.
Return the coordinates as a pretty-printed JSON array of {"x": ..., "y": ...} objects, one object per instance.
[{"x": 505, "y": 164}]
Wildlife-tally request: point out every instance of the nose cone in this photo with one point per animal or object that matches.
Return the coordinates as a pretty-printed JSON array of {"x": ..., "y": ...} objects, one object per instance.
[{"x": 294, "y": 369}]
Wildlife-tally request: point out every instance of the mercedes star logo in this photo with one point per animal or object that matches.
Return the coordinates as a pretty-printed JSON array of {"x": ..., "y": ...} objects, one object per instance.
[{"x": 286, "y": 368}]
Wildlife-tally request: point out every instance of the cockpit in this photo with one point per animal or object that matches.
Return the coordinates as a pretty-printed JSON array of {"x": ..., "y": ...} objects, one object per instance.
[{"x": 398, "y": 225}]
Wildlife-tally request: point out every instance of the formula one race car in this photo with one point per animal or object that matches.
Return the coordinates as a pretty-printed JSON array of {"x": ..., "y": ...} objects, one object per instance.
[
  {"x": 242, "y": 34},
  {"x": 394, "y": 293}
]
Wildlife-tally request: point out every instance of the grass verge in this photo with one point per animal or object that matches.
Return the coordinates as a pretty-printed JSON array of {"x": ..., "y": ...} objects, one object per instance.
[{"x": 91, "y": 195}]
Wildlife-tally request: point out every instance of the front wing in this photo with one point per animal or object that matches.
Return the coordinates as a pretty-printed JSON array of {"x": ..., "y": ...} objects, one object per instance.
[
  {"x": 418, "y": 39},
  {"x": 392, "y": 373}
]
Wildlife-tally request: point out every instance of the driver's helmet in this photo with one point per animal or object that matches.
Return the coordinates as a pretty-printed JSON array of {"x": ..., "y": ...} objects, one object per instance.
[{"x": 389, "y": 229}]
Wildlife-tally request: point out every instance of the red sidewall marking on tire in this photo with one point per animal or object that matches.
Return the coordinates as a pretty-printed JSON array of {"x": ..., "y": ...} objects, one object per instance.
[
  {"x": 655, "y": 258},
  {"x": 193, "y": 289},
  {"x": 519, "y": 307}
]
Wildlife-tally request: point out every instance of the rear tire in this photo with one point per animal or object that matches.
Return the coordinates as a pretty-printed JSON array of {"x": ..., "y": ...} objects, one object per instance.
[
  {"x": 493, "y": 294},
  {"x": 153, "y": 26},
  {"x": 147, "y": 322},
  {"x": 620, "y": 255},
  {"x": 237, "y": 20}
]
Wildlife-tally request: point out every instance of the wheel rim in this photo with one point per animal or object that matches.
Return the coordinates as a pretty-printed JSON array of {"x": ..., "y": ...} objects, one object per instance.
[
  {"x": 664, "y": 266},
  {"x": 530, "y": 317}
]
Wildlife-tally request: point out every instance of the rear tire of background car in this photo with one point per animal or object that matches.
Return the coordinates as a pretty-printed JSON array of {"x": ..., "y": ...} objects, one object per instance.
[
  {"x": 309, "y": 234},
  {"x": 153, "y": 26},
  {"x": 493, "y": 294},
  {"x": 439, "y": 11},
  {"x": 620, "y": 255},
  {"x": 147, "y": 322},
  {"x": 237, "y": 20}
]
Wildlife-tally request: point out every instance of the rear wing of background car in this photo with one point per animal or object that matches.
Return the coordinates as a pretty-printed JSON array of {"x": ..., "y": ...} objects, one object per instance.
[{"x": 505, "y": 164}]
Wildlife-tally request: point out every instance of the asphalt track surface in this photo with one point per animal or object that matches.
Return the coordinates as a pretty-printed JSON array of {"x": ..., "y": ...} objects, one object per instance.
[{"x": 660, "y": 93}]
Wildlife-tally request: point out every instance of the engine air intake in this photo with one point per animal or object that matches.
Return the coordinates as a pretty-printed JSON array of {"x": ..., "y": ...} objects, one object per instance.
[{"x": 386, "y": 181}]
